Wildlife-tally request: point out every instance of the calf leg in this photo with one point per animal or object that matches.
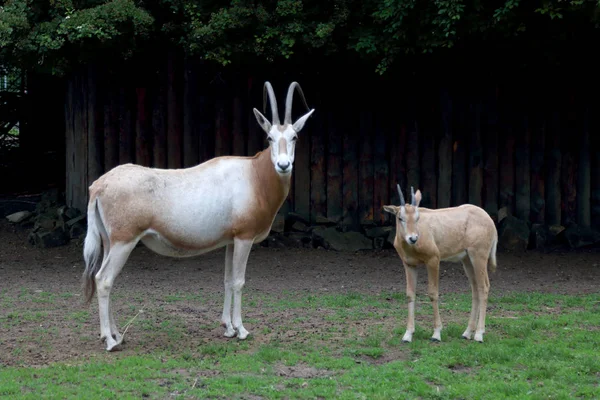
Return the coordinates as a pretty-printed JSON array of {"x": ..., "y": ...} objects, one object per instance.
[
  {"x": 411, "y": 285},
  {"x": 469, "y": 271}
]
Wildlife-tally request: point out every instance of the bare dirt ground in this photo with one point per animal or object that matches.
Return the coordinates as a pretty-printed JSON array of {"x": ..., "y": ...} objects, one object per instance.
[{"x": 60, "y": 327}]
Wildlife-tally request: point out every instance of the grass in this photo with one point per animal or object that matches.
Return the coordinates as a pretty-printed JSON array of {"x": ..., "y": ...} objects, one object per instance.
[{"x": 345, "y": 346}]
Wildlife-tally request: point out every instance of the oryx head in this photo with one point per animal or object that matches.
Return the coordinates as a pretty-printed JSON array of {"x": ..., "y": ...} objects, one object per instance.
[
  {"x": 407, "y": 216},
  {"x": 282, "y": 137}
]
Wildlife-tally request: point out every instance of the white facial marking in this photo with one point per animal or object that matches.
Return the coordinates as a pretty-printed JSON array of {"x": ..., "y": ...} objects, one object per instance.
[{"x": 282, "y": 144}]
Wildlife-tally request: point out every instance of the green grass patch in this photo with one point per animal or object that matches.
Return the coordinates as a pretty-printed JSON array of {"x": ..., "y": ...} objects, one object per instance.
[{"x": 345, "y": 346}]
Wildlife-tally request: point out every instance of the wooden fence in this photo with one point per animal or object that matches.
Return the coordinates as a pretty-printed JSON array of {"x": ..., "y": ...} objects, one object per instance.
[{"x": 529, "y": 147}]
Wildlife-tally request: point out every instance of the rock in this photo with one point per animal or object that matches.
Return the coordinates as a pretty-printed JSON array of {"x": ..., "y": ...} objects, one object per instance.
[
  {"x": 502, "y": 213},
  {"x": 46, "y": 239},
  {"x": 72, "y": 213},
  {"x": 292, "y": 216},
  {"x": 299, "y": 239},
  {"x": 75, "y": 221},
  {"x": 320, "y": 220},
  {"x": 77, "y": 230},
  {"x": 513, "y": 234},
  {"x": 579, "y": 236},
  {"x": 278, "y": 224},
  {"x": 379, "y": 231},
  {"x": 539, "y": 236},
  {"x": 331, "y": 238},
  {"x": 299, "y": 226},
  {"x": 379, "y": 243},
  {"x": 18, "y": 217},
  {"x": 44, "y": 223},
  {"x": 390, "y": 238}
]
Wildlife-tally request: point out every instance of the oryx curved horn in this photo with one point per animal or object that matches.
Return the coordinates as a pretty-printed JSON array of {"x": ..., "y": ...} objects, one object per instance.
[
  {"x": 275, "y": 114},
  {"x": 402, "y": 202},
  {"x": 289, "y": 100}
]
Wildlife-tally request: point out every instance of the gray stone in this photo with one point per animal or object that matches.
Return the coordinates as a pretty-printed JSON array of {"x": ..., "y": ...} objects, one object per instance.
[
  {"x": 379, "y": 243},
  {"x": 391, "y": 237},
  {"x": 72, "y": 213},
  {"x": 503, "y": 213},
  {"x": 578, "y": 236},
  {"x": 378, "y": 231},
  {"x": 75, "y": 220},
  {"x": 292, "y": 216},
  {"x": 331, "y": 238},
  {"x": 18, "y": 217},
  {"x": 278, "y": 224},
  {"x": 299, "y": 226},
  {"x": 299, "y": 239},
  {"x": 320, "y": 220},
  {"x": 46, "y": 239},
  {"x": 77, "y": 230},
  {"x": 44, "y": 223},
  {"x": 513, "y": 234},
  {"x": 540, "y": 236}
]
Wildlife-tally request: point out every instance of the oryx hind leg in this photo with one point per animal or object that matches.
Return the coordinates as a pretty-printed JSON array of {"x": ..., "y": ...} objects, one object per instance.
[{"x": 111, "y": 267}]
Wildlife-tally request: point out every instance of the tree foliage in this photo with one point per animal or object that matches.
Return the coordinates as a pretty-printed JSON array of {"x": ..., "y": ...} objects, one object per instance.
[{"x": 54, "y": 34}]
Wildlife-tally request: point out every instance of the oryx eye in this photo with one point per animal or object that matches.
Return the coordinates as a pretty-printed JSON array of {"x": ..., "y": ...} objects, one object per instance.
[{"x": 294, "y": 138}]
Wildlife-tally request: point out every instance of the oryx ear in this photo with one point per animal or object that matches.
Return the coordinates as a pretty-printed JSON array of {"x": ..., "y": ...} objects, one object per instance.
[
  {"x": 262, "y": 121},
  {"x": 299, "y": 124},
  {"x": 391, "y": 209},
  {"x": 417, "y": 198}
]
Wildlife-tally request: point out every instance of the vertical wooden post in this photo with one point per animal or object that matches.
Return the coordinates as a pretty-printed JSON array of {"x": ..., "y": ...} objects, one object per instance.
[
  {"x": 95, "y": 166},
  {"x": 191, "y": 110},
  {"x": 445, "y": 153},
  {"x": 365, "y": 170},
  {"x": 413, "y": 170},
  {"x": 459, "y": 157},
  {"x": 490, "y": 155},
  {"x": 428, "y": 182},
  {"x": 159, "y": 123},
  {"x": 174, "y": 113},
  {"x": 143, "y": 141},
  {"x": 318, "y": 165},
  {"x": 595, "y": 173},
  {"x": 507, "y": 155},
  {"x": 553, "y": 168},
  {"x": 256, "y": 136},
  {"x": 584, "y": 216},
  {"x": 223, "y": 145},
  {"x": 538, "y": 204},
  {"x": 382, "y": 184},
  {"x": 302, "y": 166},
  {"x": 238, "y": 128},
  {"x": 334, "y": 167},
  {"x": 475, "y": 155},
  {"x": 111, "y": 131},
  {"x": 70, "y": 140},
  {"x": 126, "y": 131},
  {"x": 350, "y": 173},
  {"x": 569, "y": 165},
  {"x": 522, "y": 170}
]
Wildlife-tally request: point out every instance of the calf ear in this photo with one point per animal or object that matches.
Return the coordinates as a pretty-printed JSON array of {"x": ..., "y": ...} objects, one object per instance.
[
  {"x": 417, "y": 198},
  {"x": 391, "y": 209}
]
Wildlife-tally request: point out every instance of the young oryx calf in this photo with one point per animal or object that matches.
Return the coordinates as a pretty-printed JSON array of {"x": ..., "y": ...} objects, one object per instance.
[
  {"x": 423, "y": 236},
  {"x": 226, "y": 201}
]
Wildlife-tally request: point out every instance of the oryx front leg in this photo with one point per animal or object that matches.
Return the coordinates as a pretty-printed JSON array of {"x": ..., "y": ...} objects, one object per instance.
[
  {"x": 433, "y": 277},
  {"x": 411, "y": 287},
  {"x": 226, "y": 318},
  {"x": 111, "y": 267},
  {"x": 241, "y": 251}
]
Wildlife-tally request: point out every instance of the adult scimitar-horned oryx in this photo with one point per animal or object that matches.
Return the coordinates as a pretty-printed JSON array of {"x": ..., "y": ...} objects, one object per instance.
[
  {"x": 423, "y": 236},
  {"x": 226, "y": 201}
]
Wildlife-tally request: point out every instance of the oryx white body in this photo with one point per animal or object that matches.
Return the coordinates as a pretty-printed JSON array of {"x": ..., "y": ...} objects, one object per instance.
[
  {"x": 226, "y": 201},
  {"x": 464, "y": 234}
]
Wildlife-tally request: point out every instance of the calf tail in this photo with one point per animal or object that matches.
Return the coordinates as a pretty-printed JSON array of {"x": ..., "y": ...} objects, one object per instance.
[{"x": 92, "y": 250}]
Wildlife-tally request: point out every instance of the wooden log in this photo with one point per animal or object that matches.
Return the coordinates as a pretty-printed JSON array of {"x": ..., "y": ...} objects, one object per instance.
[
  {"x": 507, "y": 157},
  {"x": 256, "y": 136},
  {"x": 318, "y": 164},
  {"x": 334, "y": 168},
  {"x": 553, "y": 171},
  {"x": 584, "y": 215},
  {"x": 365, "y": 169},
  {"x": 350, "y": 172},
  {"x": 174, "y": 113},
  {"x": 413, "y": 170},
  {"x": 490, "y": 155},
  {"x": 143, "y": 142},
  {"x": 381, "y": 187},
  {"x": 427, "y": 138},
  {"x": 223, "y": 145},
  {"x": 522, "y": 170},
  {"x": 191, "y": 110},
  {"x": 444, "y": 182},
  {"x": 595, "y": 173},
  {"x": 459, "y": 157},
  {"x": 538, "y": 203},
  {"x": 239, "y": 120},
  {"x": 568, "y": 178},
  {"x": 475, "y": 155},
  {"x": 95, "y": 131},
  {"x": 126, "y": 131},
  {"x": 111, "y": 129},
  {"x": 159, "y": 125}
]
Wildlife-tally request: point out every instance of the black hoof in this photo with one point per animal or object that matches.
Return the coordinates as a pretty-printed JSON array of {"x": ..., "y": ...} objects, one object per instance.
[
  {"x": 405, "y": 341},
  {"x": 435, "y": 340}
]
